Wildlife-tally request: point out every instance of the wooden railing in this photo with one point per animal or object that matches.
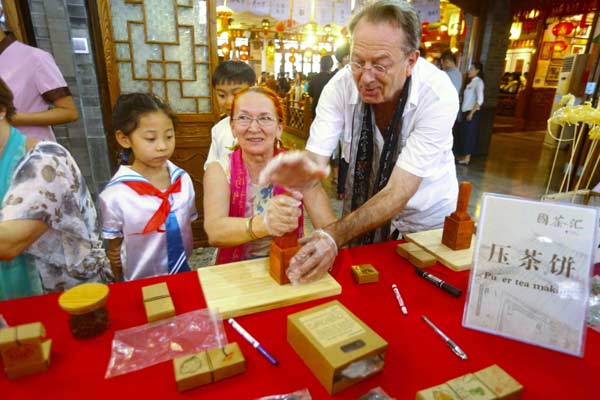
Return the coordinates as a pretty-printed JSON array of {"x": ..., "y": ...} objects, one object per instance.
[{"x": 298, "y": 116}]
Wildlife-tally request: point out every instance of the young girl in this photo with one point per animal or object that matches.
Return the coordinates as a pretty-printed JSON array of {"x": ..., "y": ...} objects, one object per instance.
[{"x": 148, "y": 206}]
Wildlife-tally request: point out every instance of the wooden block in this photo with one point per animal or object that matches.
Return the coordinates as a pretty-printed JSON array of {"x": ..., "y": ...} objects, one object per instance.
[
  {"x": 439, "y": 392},
  {"x": 468, "y": 387},
  {"x": 279, "y": 261},
  {"x": 21, "y": 345},
  {"x": 246, "y": 287},
  {"x": 154, "y": 292},
  {"x": 226, "y": 362},
  {"x": 364, "y": 273},
  {"x": 404, "y": 248},
  {"x": 502, "y": 384},
  {"x": 192, "y": 371},
  {"x": 17, "y": 371},
  {"x": 421, "y": 258},
  {"x": 8, "y": 337},
  {"x": 456, "y": 260},
  {"x": 159, "y": 309}
]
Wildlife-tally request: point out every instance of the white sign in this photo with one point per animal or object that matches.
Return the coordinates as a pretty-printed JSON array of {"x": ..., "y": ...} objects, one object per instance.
[
  {"x": 302, "y": 10},
  {"x": 531, "y": 272},
  {"x": 323, "y": 12},
  {"x": 280, "y": 9},
  {"x": 341, "y": 12},
  {"x": 429, "y": 10}
]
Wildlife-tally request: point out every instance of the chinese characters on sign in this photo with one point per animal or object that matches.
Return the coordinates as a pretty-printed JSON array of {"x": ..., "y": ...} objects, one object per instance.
[
  {"x": 531, "y": 272},
  {"x": 429, "y": 10}
]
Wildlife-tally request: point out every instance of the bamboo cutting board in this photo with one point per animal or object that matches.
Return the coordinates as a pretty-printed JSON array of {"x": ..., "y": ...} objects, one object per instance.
[
  {"x": 431, "y": 241},
  {"x": 246, "y": 287}
]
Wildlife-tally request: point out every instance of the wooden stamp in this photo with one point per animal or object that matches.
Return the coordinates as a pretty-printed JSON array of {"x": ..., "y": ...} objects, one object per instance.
[
  {"x": 192, "y": 371},
  {"x": 226, "y": 361},
  {"x": 282, "y": 250},
  {"x": 364, "y": 273},
  {"x": 458, "y": 226},
  {"x": 404, "y": 249},
  {"x": 17, "y": 371},
  {"x": 21, "y": 345},
  {"x": 504, "y": 386}
]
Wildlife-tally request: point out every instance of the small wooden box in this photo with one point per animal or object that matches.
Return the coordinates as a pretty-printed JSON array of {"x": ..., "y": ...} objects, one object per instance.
[
  {"x": 405, "y": 248},
  {"x": 468, "y": 387},
  {"x": 421, "y": 259},
  {"x": 438, "y": 392},
  {"x": 279, "y": 261},
  {"x": 364, "y": 273},
  {"x": 18, "y": 370},
  {"x": 192, "y": 371},
  {"x": 21, "y": 345},
  {"x": 154, "y": 292},
  {"x": 159, "y": 309},
  {"x": 498, "y": 381},
  {"x": 223, "y": 366}
]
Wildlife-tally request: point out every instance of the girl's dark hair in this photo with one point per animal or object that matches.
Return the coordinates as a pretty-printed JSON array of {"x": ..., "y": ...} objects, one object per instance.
[
  {"x": 479, "y": 66},
  {"x": 130, "y": 107},
  {"x": 6, "y": 100}
]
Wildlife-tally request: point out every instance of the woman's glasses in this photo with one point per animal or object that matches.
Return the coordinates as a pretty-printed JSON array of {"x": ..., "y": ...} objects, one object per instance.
[{"x": 245, "y": 121}]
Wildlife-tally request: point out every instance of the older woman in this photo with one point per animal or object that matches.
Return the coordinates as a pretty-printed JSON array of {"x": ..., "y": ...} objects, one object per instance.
[
  {"x": 49, "y": 239},
  {"x": 240, "y": 217}
]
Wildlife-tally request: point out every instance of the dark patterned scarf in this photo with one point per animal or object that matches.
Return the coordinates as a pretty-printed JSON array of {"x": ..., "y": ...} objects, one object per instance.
[{"x": 362, "y": 190}]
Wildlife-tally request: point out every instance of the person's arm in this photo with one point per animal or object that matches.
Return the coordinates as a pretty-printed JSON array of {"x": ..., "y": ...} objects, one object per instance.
[
  {"x": 114, "y": 256},
  {"x": 17, "y": 235},
  {"x": 318, "y": 206},
  {"x": 64, "y": 111},
  {"x": 478, "y": 101},
  {"x": 377, "y": 210}
]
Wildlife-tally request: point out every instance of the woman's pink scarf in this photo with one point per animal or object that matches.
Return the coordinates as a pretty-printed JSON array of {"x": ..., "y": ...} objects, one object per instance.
[{"x": 240, "y": 187}]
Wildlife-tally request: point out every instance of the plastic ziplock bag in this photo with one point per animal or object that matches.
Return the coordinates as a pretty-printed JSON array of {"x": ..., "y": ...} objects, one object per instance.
[
  {"x": 145, "y": 345},
  {"x": 303, "y": 394},
  {"x": 376, "y": 394}
]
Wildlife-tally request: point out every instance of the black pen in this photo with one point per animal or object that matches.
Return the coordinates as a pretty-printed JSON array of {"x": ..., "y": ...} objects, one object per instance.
[{"x": 454, "y": 291}]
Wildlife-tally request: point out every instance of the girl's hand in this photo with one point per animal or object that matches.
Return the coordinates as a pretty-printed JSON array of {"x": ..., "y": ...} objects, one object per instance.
[{"x": 469, "y": 116}]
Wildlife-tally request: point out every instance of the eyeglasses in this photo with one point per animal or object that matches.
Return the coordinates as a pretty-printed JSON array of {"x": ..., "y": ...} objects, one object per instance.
[
  {"x": 264, "y": 121},
  {"x": 376, "y": 69}
]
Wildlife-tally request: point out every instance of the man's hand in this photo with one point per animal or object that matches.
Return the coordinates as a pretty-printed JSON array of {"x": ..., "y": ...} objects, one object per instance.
[
  {"x": 314, "y": 259},
  {"x": 293, "y": 170}
]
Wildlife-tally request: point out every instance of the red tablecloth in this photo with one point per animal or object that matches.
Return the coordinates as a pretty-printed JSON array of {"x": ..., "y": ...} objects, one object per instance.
[{"x": 416, "y": 358}]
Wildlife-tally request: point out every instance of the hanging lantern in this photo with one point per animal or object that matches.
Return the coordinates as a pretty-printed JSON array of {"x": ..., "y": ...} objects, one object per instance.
[
  {"x": 292, "y": 50},
  {"x": 244, "y": 48},
  {"x": 292, "y": 58},
  {"x": 323, "y": 51},
  {"x": 280, "y": 26},
  {"x": 270, "y": 49},
  {"x": 559, "y": 45},
  {"x": 563, "y": 28},
  {"x": 244, "y": 57},
  {"x": 266, "y": 25}
]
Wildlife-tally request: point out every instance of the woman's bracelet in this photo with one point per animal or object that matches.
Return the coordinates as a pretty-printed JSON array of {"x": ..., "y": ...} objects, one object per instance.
[{"x": 249, "y": 230}]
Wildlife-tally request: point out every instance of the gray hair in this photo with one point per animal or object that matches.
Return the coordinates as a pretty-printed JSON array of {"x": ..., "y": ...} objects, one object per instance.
[{"x": 397, "y": 13}]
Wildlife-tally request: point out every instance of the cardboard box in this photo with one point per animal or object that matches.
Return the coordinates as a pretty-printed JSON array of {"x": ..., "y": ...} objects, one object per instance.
[
  {"x": 364, "y": 273},
  {"x": 330, "y": 339},
  {"x": 504, "y": 386},
  {"x": 439, "y": 392},
  {"x": 21, "y": 345},
  {"x": 192, "y": 371},
  {"x": 468, "y": 387},
  {"x": 226, "y": 362},
  {"x": 18, "y": 370}
]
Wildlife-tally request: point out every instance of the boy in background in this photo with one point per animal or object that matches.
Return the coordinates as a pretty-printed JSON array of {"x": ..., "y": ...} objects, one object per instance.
[{"x": 229, "y": 78}]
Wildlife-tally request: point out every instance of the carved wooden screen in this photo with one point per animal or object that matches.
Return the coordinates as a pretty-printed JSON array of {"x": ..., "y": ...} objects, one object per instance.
[{"x": 166, "y": 47}]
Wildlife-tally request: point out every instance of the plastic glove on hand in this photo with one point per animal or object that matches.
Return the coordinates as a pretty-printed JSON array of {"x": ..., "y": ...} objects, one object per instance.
[
  {"x": 281, "y": 214},
  {"x": 292, "y": 170},
  {"x": 314, "y": 259}
]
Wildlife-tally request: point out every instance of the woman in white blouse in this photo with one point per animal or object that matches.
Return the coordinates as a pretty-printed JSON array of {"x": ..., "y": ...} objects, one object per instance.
[{"x": 472, "y": 101}]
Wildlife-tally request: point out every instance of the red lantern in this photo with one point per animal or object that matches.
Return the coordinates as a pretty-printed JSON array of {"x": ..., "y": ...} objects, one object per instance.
[
  {"x": 244, "y": 57},
  {"x": 559, "y": 45},
  {"x": 292, "y": 50},
  {"x": 292, "y": 59},
  {"x": 280, "y": 26},
  {"x": 563, "y": 28}
]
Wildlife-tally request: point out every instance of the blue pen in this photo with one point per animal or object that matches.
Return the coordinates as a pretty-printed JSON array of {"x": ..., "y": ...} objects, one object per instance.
[{"x": 252, "y": 341}]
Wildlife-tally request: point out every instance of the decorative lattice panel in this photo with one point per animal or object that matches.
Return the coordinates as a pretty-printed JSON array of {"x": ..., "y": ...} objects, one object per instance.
[{"x": 162, "y": 47}]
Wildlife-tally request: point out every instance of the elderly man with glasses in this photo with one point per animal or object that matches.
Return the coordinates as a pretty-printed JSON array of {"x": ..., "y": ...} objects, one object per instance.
[{"x": 395, "y": 112}]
